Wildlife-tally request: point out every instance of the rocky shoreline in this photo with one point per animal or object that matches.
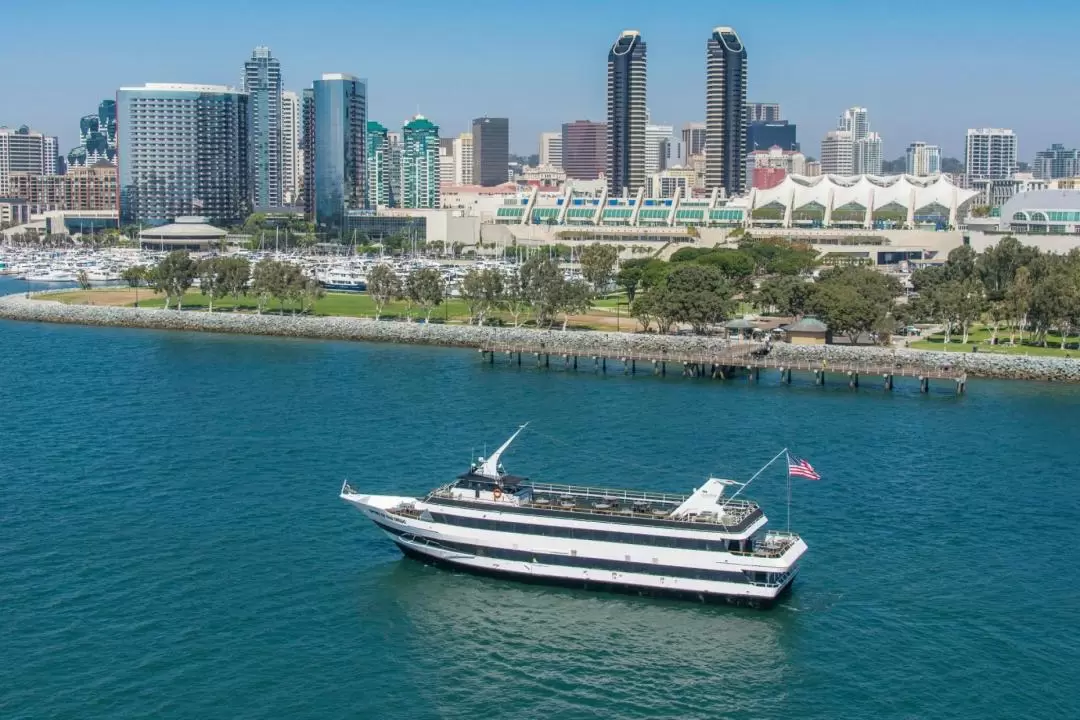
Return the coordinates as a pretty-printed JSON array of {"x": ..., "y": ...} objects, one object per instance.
[{"x": 18, "y": 307}]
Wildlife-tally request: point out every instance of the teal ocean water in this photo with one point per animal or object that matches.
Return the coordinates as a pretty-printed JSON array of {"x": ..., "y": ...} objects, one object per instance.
[{"x": 172, "y": 544}]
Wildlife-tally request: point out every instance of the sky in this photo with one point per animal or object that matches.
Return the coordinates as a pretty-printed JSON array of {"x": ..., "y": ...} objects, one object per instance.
[{"x": 925, "y": 70}]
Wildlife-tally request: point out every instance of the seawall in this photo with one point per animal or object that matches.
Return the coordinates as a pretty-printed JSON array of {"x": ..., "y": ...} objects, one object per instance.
[{"x": 18, "y": 307}]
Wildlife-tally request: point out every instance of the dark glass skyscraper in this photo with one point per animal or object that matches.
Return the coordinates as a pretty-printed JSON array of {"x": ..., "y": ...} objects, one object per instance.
[
  {"x": 183, "y": 151},
  {"x": 97, "y": 137},
  {"x": 336, "y": 111},
  {"x": 627, "y": 115},
  {"x": 491, "y": 151},
  {"x": 725, "y": 111},
  {"x": 262, "y": 83},
  {"x": 764, "y": 135}
]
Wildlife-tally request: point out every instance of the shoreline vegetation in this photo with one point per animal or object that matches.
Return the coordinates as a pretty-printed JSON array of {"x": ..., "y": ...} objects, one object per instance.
[{"x": 42, "y": 307}]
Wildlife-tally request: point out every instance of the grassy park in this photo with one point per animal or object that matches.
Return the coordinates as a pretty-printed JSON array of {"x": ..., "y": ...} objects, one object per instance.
[{"x": 980, "y": 337}]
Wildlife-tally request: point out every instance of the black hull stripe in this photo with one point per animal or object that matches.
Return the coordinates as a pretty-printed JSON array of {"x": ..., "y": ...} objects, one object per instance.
[
  {"x": 538, "y": 512},
  {"x": 599, "y": 564},
  {"x": 762, "y": 603}
]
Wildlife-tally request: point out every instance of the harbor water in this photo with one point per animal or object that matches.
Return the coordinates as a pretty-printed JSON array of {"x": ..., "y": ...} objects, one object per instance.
[{"x": 172, "y": 543}]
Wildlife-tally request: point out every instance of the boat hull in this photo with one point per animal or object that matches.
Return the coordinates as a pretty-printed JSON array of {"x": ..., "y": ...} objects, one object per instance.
[{"x": 343, "y": 287}]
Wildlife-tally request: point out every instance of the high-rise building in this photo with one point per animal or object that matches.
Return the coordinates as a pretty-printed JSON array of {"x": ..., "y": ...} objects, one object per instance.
[
  {"x": 764, "y": 135},
  {"x": 338, "y": 160},
  {"x": 551, "y": 149},
  {"x": 762, "y": 112},
  {"x": 463, "y": 159},
  {"x": 584, "y": 149},
  {"x": 262, "y": 83},
  {"x": 990, "y": 153},
  {"x": 672, "y": 153},
  {"x": 183, "y": 151},
  {"x": 856, "y": 121},
  {"x": 491, "y": 150},
  {"x": 378, "y": 166},
  {"x": 420, "y": 164},
  {"x": 81, "y": 188},
  {"x": 626, "y": 73},
  {"x": 50, "y": 159},
  {"x": 395, "y": 153},
  {"x": 868, "y": 159},
  {"x": 1056, "y": 162},
  {"x": 693, "y": 138},
  {"x": 767, "y": 168},
  {"x": 923, "y": 159},
  {"x": 307, "y": 150},
  {"x": 97, "y": 137},
  {"x": 838, "y": 153},
  {"x": 447, "y": 166},
  {"x": 655, "y": 137},
  {"x": 292, "y": 170},
  {"x": 725, "y": 111},
  {"x": 21, "y": 150}
]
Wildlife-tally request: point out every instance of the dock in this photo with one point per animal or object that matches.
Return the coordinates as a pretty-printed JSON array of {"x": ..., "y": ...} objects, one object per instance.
[{"x": 738, "y": 362}]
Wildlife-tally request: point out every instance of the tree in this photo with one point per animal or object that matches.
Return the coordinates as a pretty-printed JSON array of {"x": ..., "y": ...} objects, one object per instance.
[
  {"x": 1018, "y": 296},
  {"x": 134, "y": 276},
  {"x": 383, "y": 286},
  {"x": 471, "y": 291},
  {"x": 291, "y": 281},
  {"x": 628, "y": 279},
  {"x": 312, "y": 291},
  {"x": 598, "y": 265},
  {"x": 83, "y": 279},
  {"x": 514, "y": 299},
  {"x": 970, "y": 302},
  {"x": 642, "y": 309},
  {"x": 698, "y": 295},
  {"x": 574, "y": 299},
  {"x": 426, "y": 288},
  {"x": 265, "y": 277},
  {"x": 236, "y": 274},
  {"x": 175, "y": 275},
  {"x": 736, "y": 265},
  {"x": 784, "y": 294},
  {"x": 654, "y": 273},
  {"x": 212, "y": 279},
  {"x": 852, "y": 300},
  {"x": 542, "y": 281}
]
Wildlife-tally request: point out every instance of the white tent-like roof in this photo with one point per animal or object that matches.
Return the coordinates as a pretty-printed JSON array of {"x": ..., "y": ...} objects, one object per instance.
[{"x": 869, "y": 191}]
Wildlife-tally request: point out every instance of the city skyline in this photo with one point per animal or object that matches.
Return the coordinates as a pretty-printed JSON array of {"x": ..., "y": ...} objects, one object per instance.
[{"x": 573, "y": 82}]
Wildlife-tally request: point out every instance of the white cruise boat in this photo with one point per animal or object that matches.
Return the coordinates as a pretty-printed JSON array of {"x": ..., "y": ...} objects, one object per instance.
[{"x": 704, "y": 546}]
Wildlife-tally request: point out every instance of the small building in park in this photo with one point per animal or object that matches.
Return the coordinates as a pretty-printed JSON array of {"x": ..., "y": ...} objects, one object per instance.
[
  {"x": 187, "y": 233},
  {"x": 808, "y": 331},
  {"x": 740, "y": 329}
]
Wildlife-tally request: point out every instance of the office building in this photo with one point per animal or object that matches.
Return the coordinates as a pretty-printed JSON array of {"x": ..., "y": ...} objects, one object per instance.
[
  {"x": 307, "y": 150},
  {"x": 97, "y": 137},
  {"x": 81, "y": 188},
  {"x": 762, "y": 135},
  {"x": 693, "y": 138},
  {"x": 666, "y": 183},
  {"x": 655, "y": 137},
  {"x": 626, "y": 73},
  {"x": 868, "y": 158},
  {"x": 762, "y": 112},
  {"x": 50, "y": 157},
  {"x": 292, "y": 171},
  {"x": 725, "y": 111},
  {"x": 378, "y": 166},
  {"x": 584, "y": 149},
  {"x": 336, "y": 109},
  {"x": 262, "y": 83},
  {"x": 183, "y": 151},
  {"x": 420, "y": 164},
  {"x": 837, "y": 153},
  {"x": 856, "y": 121},
  {"x": 1056, "y": 162},
  {"x": 672, "y": 153},
  {"x": 923, "y": 160},
  {"x": 21, "y": 150},
  {"x": 551, "y": 149},
  {"x": 463, "y": 159},
  {"x": 447, "y": 165},
  {"x": 491, "y": 151},
  {"x": 990, "y": 153}
]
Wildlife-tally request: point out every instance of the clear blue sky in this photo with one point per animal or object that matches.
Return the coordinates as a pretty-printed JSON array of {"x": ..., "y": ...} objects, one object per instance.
[{"x": 925, "y": 70}]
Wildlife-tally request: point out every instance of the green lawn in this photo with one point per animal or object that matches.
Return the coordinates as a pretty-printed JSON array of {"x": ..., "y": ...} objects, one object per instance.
[
  {"x": 980, "y": 337},
  {"x": 337, "y": 304}
]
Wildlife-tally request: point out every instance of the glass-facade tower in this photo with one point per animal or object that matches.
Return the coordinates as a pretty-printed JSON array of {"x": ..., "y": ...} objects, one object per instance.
[
  {"x": 97, "y": 135},
  {"x": 380, "y": 189},
  {"x": 725, "y": 111},
  {"x": 420, "y": 164},
  {"x": 182, "y": 151},
  {"x": 262, "y": 83},
  {"x": 627, "y": 114},
  {"x": 339, "y": 118}
]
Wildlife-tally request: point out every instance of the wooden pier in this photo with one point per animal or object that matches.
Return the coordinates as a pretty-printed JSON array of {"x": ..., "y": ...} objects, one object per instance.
[{"x": 726, "y": 365}]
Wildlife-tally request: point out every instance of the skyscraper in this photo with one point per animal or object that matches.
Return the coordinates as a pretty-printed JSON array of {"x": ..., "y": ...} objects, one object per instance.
[
  {"x": 725, "y": 111},
  {"x": 183, "y": 151},
  {"x": 1056, "y": 162},
  {"x": 923, "y": 159},
  {"x": 378, "y": 165},
  {"x": 491, "y": 151},
  {"x": 584, "y": 149},
  {"x": 291, "y": 170},
  {"x": 307, "y": 149},
  {"x": 856, "y": 121},
  {"x": 420, "y": 164},
  {"x": 762, "y": 112},
  {"x": 626, "y": 75},
  {"x": 990, "y": 153},
  {"x": 262, "y": 83},
  {"x": 463, "y": 159},
  {"x": 339, "y": 116},
  {"x": 50, "y": 157},
  {"x": 693, "y": 138},
  {"x": 447, "y": 164},
  {"x": 866, "y": 146},
  {"x": 838, "y": 153},
  {"x": 551, "y": 148},
  {"x": 21, "y": 150},
  {"x": 655, "y": 137},
  {"x": 97, "y": 137},
  {"x": 395, "y": 153},
  {"x": 764, "y": 135}
]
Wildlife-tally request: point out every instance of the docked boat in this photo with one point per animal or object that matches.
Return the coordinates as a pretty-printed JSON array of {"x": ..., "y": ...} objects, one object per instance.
[{"x": 704, "y": 546}]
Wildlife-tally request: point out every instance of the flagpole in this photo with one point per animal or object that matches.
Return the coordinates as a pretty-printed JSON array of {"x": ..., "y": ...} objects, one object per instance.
[
  {"x": 763, "y": 467},
  {"x": 789, "y": 497}
]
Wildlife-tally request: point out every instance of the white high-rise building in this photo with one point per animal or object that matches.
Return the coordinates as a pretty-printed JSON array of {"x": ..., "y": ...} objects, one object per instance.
[
  {"x": 446, "y": 165},
  {"x": 868, "y": 160},
  {"x": 990, "y": 153},
  {"x": 655, "y": 136},
  {"x": 21, "y": 150},
  {"x": 856, "y": 122},
  {"x": 923, "y": 159},
  {"x": 292, "y": 168},
  {"x": 838, "y": 153},
  {"x": 551, "y": 149},
  {"x": 51, "y": 155},
  {"x": 463, "y": 159},
  {"x": 262, "y": 83}
]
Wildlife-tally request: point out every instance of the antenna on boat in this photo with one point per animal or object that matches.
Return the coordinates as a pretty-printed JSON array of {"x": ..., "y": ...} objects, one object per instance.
[{"x": 490, "y": 468}]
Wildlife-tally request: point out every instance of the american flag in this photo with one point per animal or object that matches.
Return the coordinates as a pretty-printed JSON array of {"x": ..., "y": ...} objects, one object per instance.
[{"x": 797, "y": 467}]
